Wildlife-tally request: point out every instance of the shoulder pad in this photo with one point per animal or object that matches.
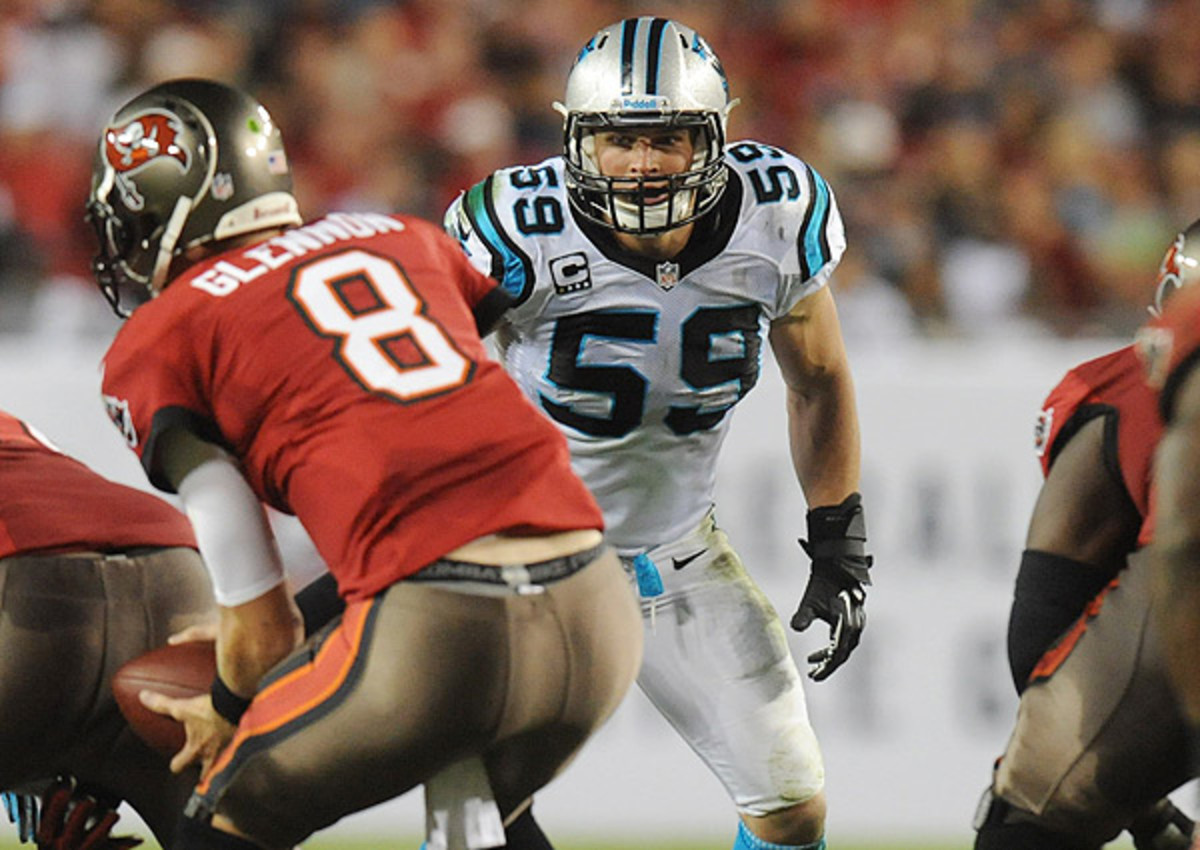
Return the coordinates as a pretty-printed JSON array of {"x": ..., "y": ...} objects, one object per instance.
[
  {"x": 498, "y": 221},
  {"x": 796, "y": 200}
]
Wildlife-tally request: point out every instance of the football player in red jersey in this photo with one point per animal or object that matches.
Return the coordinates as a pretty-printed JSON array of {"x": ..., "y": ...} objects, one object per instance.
[
  {"x": 1099, "y": 740},
  {"x": 334, "y": 370},
  {"x": 94, "y": 573},
  {"x": 1169, "y": 345}
]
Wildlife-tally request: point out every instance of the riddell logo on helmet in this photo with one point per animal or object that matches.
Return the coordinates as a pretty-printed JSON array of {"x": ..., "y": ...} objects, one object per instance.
[
  {"x": 281, "y": 208},
  {"x": 147, "y": 137},
  {"x": 642, "y": 103}
]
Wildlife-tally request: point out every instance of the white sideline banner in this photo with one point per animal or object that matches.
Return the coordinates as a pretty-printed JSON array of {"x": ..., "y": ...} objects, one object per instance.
[{"x": 911, "y": 725}]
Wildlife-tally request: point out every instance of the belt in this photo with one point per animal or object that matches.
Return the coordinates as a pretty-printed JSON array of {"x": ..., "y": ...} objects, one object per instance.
[{"x": 513, "y": 575}]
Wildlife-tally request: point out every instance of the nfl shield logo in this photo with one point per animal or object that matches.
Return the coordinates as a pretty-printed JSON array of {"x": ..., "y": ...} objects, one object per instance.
[
  {"x": 667, "y": 275},
  {"x": 222, "y": 186}
]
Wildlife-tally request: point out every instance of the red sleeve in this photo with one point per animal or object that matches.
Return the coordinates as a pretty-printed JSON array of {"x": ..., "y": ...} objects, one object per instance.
[
  {"x": 1058, "y": 410},
  {"x": 146, "y": 395}
]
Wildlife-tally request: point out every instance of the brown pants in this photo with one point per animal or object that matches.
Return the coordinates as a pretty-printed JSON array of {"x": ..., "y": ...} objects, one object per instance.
[
  {"x": 66, "y": 624},
  {"x": 421, "y": 676},
  {"x": 1102, "y": 738}
]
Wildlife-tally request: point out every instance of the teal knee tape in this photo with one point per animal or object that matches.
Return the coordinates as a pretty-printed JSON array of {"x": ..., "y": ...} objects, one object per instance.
[{"x": 747, "y": 840}]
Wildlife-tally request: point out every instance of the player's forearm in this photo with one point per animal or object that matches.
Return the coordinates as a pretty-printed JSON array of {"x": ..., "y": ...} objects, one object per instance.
[
  {"x": 254, "y": 636},
  {"x": 824, "y": 440},
  {"x": 1176, "y": 558},
  {"x": 1177, "y": 592},
  {"x": 259, "y": 623}
]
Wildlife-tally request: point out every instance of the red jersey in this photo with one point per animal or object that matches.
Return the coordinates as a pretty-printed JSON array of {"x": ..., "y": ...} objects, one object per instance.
[
  {"x": 340, "y": 362},
  {"x": 1112, "y": 386},
  {"x": 53, "y": 503}
]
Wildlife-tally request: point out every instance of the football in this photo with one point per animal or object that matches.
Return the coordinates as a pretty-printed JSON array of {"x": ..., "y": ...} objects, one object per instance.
[{"x": 179, "y": 670}]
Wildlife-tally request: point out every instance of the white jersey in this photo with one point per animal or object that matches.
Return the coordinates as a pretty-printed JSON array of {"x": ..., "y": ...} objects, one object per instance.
[{"x": 641, "y": 362}]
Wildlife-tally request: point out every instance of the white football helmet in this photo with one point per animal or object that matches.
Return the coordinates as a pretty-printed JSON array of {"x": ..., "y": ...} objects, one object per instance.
[{"x": 645, "y": 73}]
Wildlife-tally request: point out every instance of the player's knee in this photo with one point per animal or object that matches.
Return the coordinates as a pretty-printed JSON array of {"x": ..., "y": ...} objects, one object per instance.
[{"x": 795, "y": 826}]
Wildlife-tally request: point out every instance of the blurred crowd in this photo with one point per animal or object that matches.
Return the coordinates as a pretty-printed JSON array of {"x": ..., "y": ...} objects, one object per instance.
[{"x": 1003, "y": 166}]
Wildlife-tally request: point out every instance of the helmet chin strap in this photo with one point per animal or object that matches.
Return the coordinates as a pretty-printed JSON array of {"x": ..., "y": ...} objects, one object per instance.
[{"x": 166, "y": 245}]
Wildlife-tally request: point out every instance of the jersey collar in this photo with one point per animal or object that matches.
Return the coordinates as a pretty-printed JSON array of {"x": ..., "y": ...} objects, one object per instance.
[{"x": 710, "y": 236}]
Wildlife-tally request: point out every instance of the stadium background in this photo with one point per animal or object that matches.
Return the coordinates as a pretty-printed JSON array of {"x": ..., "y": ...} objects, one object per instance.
[{"x": 1010, "y": 173}]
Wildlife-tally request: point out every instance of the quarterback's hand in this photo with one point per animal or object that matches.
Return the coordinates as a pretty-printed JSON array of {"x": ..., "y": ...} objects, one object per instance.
[
  {"x": 835, "y": 594},
  {"x": 207, "y": 732},
  {"x": 72, "y": 819},
  {"x": 195, "y": 632}
]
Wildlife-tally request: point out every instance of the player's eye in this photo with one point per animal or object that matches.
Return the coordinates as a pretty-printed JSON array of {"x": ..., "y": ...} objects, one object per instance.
[{"x": 621, "y": 140}]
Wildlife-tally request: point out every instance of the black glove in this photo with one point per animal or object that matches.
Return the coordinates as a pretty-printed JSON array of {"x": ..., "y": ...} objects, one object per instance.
[
  {"x": 72, "y": 819},
  {"x": 836, "y": 543}
]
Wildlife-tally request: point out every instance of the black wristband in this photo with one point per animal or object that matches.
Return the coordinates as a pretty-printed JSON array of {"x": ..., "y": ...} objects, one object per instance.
[
  {"x": 837, "y": 538},
  {"x": 226, "y": 703},
  {"x": 840, "y": 524}
]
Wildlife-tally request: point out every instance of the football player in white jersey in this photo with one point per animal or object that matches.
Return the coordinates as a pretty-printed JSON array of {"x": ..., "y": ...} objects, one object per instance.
[{"x": 645, "y": 267}]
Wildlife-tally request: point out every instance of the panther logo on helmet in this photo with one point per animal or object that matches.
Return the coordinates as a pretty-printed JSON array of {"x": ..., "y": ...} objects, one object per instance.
[{"x": 149, "y": 136}]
